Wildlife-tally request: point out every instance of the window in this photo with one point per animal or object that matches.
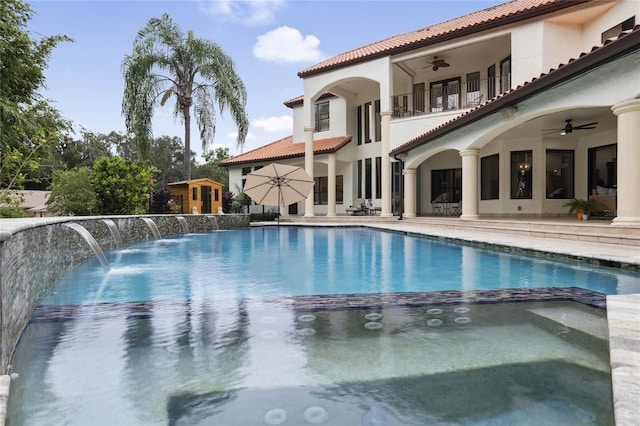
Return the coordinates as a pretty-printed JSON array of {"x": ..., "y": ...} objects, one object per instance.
[
  {"x": 194, "y": 193},
  {"x": 491, "y": 81},
  {"x": 378, "y": 177},
  {"x": 474, "y": 97},
  {"x": 359, "y": 129},
  {"x": 368, "y": 174},
  {"x": 322, "y": 116},
  {"x": 377, "y": 119},
  {"x": 400, "y": 105},
  {"x": 216, "y": 194},
  {"x": 521, "y": 181},
  {"x": 446, "y": 186},
  {"x": 603, "y": 169},
  {"x": 559, "y": 174},
  {"x": 246, "y": 171},
  {"x": 445, "y": 95},
  {"x": 359, "y": 179},
  {"x": 505, "y": 74},
  {"x": 418, "y": 98},
  {"x": 321, "y": 190},
  {"x": 367, "y": 122},
  {"x": 396, "y": 186},
  {"x": 490, "y": 177},
  {"x": 615, "y": 31}
]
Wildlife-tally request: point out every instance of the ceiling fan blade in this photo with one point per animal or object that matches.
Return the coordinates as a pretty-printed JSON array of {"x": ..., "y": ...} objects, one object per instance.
[
  {"x": 585, "y": 126},
  {"x": 444, "y": 64}
]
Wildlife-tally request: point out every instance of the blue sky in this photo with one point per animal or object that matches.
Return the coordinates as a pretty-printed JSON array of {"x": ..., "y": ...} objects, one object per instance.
[{"x": 269, "y": 40}]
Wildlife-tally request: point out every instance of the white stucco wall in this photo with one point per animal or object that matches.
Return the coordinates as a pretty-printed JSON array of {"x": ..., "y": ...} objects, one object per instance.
[
  {"x": 338, "y": 119},
  {"x": 621, "y": 11}
]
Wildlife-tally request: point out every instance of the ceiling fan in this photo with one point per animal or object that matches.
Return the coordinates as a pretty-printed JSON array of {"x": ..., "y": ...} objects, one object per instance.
[
  {"x": 569, "y": 127},
  {"x": 437, "y": 63}
]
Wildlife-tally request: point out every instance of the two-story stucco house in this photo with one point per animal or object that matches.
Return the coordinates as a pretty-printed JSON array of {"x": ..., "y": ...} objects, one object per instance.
[{"x": 509, "y": 111}]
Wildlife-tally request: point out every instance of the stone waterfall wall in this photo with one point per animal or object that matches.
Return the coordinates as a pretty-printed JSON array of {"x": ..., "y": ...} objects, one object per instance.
[{"x": 34, "y": 257}]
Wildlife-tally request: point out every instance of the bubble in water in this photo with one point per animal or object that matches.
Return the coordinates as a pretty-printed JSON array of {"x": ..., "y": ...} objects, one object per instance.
[
  {"x": 373, "y": 325},
  {"x": 306, "y": 332},
  {"x": 435, "y": 322},
  {"x": 462, "y": 320},
  {"x": 462, "y": 310},
  {"x": 277, "y": 416},
  {"x": 316, "y": 415},
  {"x": 434, "y": 311},
  {"x": 373, "y": 316},
  {"x": 306, "y": 318}
]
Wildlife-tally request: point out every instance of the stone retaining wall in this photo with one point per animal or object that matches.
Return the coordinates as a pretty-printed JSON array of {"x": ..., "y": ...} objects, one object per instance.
[{"x": 34, "y": 257}]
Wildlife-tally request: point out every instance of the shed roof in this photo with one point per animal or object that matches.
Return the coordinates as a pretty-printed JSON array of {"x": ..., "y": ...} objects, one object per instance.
[{"x": 188, "y": 182}]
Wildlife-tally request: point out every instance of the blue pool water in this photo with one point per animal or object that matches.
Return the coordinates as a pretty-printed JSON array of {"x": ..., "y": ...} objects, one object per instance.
[
  {"x": 194, "y": 330},
  {"x": 294, "y": 261}
]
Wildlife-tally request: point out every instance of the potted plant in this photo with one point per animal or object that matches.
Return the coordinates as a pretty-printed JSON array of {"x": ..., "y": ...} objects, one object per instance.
[{"x": 581, "y": 208}]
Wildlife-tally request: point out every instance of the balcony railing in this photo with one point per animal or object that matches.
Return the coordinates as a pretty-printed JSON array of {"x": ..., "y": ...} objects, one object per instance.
[{"x": 451, "y": 96}]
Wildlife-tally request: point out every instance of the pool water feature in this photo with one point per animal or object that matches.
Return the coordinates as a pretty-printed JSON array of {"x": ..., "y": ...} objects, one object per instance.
[
  {"x": 222, "y": 320},
  {"x": 255, "y": 361}
]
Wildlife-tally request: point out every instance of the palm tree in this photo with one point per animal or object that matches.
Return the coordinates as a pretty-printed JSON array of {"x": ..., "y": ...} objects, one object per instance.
[{"x": 166, "y": 64}]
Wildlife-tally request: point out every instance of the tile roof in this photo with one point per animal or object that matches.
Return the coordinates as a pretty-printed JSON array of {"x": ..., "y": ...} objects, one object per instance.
[
  {"x": 610, "y": 49},
  {"x": 501, "y": 14},
  {"x": 285, "y": 148},
  {"x": 299, "y": 100}
]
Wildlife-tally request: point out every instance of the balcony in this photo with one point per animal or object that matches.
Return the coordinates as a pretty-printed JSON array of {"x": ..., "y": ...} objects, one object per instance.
[{"x": 448, "y": 95}]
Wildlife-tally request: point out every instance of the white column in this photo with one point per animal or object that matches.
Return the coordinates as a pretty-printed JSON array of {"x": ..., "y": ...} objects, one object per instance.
[
  {"x": 469, "y": 184},
  {"x": 628, "y": 192},
  {"x": 308, "y": 167},
  {"x": 385, "y": 173},
  {"x": 331, "y": 181},
  {"x": 409, "y": 193}
]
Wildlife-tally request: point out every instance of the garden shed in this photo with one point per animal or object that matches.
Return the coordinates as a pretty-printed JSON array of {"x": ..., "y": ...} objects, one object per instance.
[{"x": 196, "y": 196}]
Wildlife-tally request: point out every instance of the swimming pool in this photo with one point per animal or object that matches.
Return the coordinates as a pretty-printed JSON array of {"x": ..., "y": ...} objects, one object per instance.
[
  {"x": 262, "y": 262},
  {"x": 204, "y": 322}
]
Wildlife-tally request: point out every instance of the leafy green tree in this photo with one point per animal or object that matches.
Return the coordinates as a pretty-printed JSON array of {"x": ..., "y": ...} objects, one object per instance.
[
  {"x": 122, "y": 186},
  {"x": 167, "y": 156},
  {"x": 72, "y": 193},
  {"x": 29, "y": 125},
  {"x": 71, "y": 153},
  {"x": 212, "y": 168},
  {"x": 166, "y": 63}
]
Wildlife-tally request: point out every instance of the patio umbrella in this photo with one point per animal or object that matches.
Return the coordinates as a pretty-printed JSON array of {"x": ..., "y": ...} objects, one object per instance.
[{"x": 278, "y": 185}]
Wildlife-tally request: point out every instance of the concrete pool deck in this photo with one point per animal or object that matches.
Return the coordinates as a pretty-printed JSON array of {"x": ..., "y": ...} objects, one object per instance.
[{"x": 595, "y": 242}]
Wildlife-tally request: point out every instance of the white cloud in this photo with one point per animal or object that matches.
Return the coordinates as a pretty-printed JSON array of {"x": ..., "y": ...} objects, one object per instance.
[
  {"x": 288, "y": 45},
  {"x": 249, "y": 12},
  {"x": 274, "y": 124}
]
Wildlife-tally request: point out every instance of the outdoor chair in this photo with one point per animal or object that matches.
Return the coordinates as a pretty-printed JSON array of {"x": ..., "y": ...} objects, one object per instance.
[{"x": 358, "y": 208}]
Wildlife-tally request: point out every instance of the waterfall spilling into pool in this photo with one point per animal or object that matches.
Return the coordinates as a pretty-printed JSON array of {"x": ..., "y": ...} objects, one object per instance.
[
  {"x": 95, "y": 247},
  {"x": 183, "y": 224},
  {"x": 153, "y": 227},
  {"x": 115, "y": 232}
]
